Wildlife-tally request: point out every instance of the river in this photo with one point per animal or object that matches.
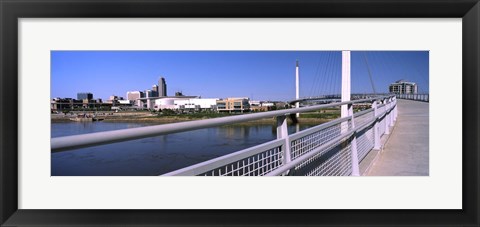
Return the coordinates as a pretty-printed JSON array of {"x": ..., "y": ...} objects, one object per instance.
[{"x": 155, "y": 155}]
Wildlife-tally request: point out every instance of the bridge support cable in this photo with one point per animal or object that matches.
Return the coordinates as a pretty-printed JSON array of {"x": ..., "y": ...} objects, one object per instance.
[
  {"x": 331, "y": 75},
  {"x": 369, "y": 73},
  {"x": 322, "y": 86},
  {"x": 328, "y": 73},
  {"x": 383, "y": 61},
  {"x": 336, "y": 86},
  {"x": 316, "y": 76}
]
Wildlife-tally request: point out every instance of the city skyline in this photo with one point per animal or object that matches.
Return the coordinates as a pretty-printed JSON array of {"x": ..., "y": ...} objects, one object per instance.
[{"x": 259, "y": 75}]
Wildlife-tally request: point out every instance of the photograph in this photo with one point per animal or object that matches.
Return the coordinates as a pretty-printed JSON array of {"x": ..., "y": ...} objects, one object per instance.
[
  {"x": 111, "y": 111},
  {"x": 239, "y": 113}
]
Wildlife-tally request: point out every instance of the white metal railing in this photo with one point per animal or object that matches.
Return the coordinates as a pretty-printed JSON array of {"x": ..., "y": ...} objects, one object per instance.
[
  {"x": 417, "y": 97},
  {"x": 329, "y": 149},
  {"x": 332, "y": 148}
]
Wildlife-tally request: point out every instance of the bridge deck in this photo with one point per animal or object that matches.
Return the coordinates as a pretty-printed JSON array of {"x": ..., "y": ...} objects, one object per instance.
[{"x": 406, "y": 149}]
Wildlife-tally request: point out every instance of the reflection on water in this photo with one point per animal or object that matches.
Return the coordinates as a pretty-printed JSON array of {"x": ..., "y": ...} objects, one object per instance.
[{"x": 155, "y": 155}]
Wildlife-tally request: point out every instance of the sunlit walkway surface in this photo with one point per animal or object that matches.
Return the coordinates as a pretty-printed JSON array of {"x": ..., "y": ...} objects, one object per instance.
[{"x": 406, "y": 150}]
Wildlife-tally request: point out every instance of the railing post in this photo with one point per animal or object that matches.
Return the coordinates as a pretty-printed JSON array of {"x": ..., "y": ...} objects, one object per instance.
[
  {"x": 376, "y": 133},
  {"x": 355, "y": 164},
  {"x": 386, "y": 117},
  {"x": 282, "y": 133},
  {"x": 390, "y": 115},
  {"x": 395, "y": 109}
]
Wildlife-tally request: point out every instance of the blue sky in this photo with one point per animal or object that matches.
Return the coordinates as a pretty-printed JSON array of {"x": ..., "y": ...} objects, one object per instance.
[{"x": 260, "y": 75}]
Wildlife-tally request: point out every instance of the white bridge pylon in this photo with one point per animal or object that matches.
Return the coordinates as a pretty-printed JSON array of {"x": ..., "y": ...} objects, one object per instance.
[
  {"x": 347, "y": 110},
  {"x": 346, "y": 91}
]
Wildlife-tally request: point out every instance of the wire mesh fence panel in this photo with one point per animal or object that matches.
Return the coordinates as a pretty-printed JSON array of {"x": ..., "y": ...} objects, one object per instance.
[
  {"x": 365, "y": 142},
  {"x": 364, "y": 118},
  {"x": 335, "y": 162},
  {"x": 316, "y": 139},
  {"x": 255, "y": 165}
]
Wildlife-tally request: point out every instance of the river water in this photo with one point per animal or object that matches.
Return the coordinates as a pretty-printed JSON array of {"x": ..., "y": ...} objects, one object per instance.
[{"x": 155, "y": 155}]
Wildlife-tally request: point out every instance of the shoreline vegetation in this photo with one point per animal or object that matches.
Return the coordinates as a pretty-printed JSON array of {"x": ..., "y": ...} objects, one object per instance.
[{"x": 155, "y": 118}]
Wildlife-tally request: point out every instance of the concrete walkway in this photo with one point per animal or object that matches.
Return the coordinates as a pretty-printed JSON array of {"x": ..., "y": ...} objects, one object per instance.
[{"x": 405, "y": 152}]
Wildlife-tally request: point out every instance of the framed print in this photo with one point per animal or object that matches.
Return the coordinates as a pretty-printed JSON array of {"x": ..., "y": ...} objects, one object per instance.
[{"x": 113, "y": 149}]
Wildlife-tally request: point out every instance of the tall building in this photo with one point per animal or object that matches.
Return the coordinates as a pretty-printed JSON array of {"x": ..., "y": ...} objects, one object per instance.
[
  {"x": 403, "y": 87},
  {"x": 149, "y": 94},
  {"x": 162, "y": 87},
  {"x": 84, "y": 95},
  {"x": 155, "y": 90}
]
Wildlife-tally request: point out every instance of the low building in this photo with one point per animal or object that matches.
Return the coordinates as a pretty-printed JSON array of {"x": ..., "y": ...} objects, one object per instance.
[
  {"x": 59, "y": 104},
  {"x": 67, "y": 104},
  {"x": 254, "y": 103},
  {"x": 112, "y": 99},
  {"x": 89, "y": 103},
  {"x": 196, "y": 104},
  {"x": 167, "y": 102},
  {"x": 125, "y": 102},
  {"x": 185, "y": 103},
  {"x": 260, "y": 108},
  {"x": 267, "y": 104},
  {"x": 403, "y": 87},
  {"x": 232, "y": 105},
  {"x": 135, "y": 97}
]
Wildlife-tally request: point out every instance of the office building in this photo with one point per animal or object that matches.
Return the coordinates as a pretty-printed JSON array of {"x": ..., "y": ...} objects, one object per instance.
[
  {"x": 233, "y": 105},
  {"x": 84, "y": 95},
  {"x": 135, "y": 97},
  {"x": 155, "y": 91},
  {"x": 403, "y": 87},
  {"x": 149, "y": 94},
  {"x": 162, "y": 87}
]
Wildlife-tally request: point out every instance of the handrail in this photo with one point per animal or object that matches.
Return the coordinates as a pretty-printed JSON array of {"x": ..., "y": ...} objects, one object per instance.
[
  {"x": 223, "y": 160},
  {"x": 315, "y": 151},
  {"x": 213, "y": 164},
  {"x": 93, "y": 139},
  {"x": 424, "y": 97},
  {"x": 310, "y": 154}
]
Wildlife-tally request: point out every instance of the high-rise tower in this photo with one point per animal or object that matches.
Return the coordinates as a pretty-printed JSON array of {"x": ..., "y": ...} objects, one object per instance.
[
  {"x": 162, "y": 87},
  {"x": 155, "y": 90}
]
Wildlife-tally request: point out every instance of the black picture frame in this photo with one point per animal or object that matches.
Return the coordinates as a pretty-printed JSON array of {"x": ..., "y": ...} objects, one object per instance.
[{"x": 12, "y": 10}]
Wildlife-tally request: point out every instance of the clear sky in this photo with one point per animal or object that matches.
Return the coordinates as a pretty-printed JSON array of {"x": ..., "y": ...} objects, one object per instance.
[{"x": 259, "y": 75}]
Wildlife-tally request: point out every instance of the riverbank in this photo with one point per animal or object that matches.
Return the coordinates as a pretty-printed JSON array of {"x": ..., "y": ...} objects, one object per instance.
[{"x": 174, "y": 119}]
